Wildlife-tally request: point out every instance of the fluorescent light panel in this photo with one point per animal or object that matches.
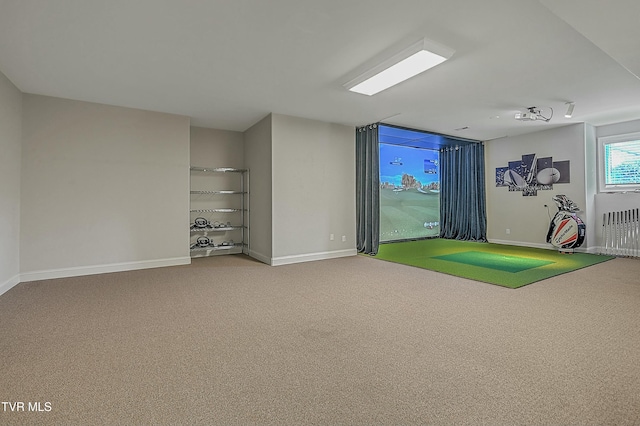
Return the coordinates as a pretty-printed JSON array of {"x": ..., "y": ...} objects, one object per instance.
[
  {"x": 412, "y": 61},
  {"x": 415, "y": 64}
]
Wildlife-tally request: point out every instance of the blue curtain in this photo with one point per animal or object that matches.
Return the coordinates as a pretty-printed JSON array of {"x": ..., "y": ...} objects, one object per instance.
[
  {"x": 463, "y": 213},
  {"x": 367, "y": 189}
]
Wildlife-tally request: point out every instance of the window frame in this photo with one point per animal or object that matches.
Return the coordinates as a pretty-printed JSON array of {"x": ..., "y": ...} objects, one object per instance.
[{"x": 607, "y": 140}]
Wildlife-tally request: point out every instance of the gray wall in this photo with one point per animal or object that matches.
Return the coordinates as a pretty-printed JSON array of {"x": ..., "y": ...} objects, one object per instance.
[
  {"x": 10, "y": 163},
  {"x": 257, "y": 158},
  {"x": 103, "y": 188},
  {"x": 526, "y": 217},
  {"x": 216, "y": 148},
  {"x": 212, "y": 148},
  {"x": 89, "y": 188},
  {"x": 313, "y": 189}
]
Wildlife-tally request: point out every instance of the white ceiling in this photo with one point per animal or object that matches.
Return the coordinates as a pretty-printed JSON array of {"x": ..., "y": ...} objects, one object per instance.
[{"x": 228, "y": 63}]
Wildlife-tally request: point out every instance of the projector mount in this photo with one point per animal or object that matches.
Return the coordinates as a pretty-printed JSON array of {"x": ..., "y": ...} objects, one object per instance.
[{"x": 533, "y": 114}]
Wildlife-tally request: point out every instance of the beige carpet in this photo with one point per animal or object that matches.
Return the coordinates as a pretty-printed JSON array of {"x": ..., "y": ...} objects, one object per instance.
[{"x": 228, "y": 340}]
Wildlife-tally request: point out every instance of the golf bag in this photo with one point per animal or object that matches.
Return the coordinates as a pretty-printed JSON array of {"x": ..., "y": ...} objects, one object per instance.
[{"x": 566, "y": 230}]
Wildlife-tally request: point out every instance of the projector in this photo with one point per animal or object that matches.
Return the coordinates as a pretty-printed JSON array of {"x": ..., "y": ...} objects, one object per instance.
[{"x": 526, "y": 116}]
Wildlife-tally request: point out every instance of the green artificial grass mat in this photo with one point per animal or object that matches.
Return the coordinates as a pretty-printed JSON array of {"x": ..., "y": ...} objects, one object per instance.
[
  {"x": 499, "y": 262},
  {"x": 504, "y": 265}
]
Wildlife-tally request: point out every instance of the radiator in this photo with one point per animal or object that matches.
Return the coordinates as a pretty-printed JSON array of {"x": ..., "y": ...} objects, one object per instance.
[{"x": 621, "y": 233}]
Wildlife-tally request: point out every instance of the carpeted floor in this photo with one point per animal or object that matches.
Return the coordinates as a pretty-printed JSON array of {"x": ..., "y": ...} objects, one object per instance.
[
  {"x": 230, "y": 341},
  {"x": 508, "y": 266}
]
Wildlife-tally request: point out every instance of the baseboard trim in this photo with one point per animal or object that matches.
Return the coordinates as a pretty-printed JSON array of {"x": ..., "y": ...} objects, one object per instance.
[
  {"x": 259, "y": 256},
  {"x": 102, "y": 269},
  {"x": 9, "y": 284},
  {"x": 594, "y": 250},
  {"x": 299, "y": 258}
]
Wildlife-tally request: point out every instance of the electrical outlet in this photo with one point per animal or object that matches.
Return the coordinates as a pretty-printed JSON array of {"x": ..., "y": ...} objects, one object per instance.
[
  {"x": 331, "y": 237},
  {"x": 508, "y": 231},
  {"x": 344, "y": 238}
]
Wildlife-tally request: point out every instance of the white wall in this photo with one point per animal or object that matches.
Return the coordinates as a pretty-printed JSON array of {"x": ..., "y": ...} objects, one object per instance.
[
  {"x": 615, "y": 202},
  {"x": 618, "y": 128},
  {"x": 103, "y": 188},
  {"x": 257, "y": 158},
  {"x": 526, "y": 217},
  {"x": 10, "y": 163},
  {"x": 313, "y": 189},
  {"x": 605, "y": 203},
  {"x": 591, "y": 187}
]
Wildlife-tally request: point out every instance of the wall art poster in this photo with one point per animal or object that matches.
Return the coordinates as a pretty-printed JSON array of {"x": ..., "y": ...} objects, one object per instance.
[
  {"x": 546, "y": 175},
  {"x": 500, "y": 171},
  {"x": 563, "y": 169},
  {"x": 531, "y": 174},
  {"x": 513, "y": 176}
]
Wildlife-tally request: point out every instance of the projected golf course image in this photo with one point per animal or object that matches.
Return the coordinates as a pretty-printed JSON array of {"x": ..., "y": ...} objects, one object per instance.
[
  {"x": 409, "y": 193},
  {"x": 408, "y": 214}
]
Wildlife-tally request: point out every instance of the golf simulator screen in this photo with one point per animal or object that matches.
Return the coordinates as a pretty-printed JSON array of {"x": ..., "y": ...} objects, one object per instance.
[{"x": 409, "y": 192}]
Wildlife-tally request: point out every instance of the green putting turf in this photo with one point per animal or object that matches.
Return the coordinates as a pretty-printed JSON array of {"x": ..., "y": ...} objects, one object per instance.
[
  {"x": 500, "y": 262},
  {"x": 508, "y": 266}
]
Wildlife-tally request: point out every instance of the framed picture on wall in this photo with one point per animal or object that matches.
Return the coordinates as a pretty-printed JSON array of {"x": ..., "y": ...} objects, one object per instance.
[
  {"x": 564, "y": 168},
  {"x": 531, "y": 174}
]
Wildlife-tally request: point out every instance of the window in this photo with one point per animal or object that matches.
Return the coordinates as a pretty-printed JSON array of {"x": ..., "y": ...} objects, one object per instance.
[{"x": 619, "y": 159}]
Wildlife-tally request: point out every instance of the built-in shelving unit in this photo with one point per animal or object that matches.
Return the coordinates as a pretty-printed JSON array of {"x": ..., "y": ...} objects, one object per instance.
[{"x": 219, "y": 217}]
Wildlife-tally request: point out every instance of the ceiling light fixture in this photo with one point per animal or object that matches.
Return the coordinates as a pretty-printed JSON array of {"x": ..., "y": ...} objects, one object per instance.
[
  {"x": 569, "y": 112},
  {"x": 408, "y": 63}
]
